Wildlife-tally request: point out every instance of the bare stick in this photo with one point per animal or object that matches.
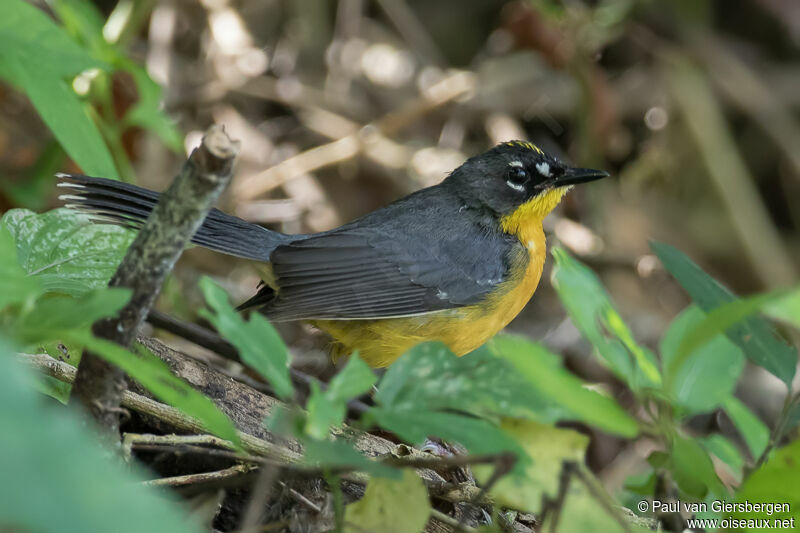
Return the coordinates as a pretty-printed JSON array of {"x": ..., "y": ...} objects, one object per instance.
[
  {"x": 176, "y": 217},
  {"x": 216, "y": 477}
]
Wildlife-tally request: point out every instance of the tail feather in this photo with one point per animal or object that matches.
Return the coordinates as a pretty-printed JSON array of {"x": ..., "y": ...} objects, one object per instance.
[{"x": 129, "y": 205}]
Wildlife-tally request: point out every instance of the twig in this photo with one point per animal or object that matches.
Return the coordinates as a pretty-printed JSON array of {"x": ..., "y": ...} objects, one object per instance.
[
  {"x": 146, "y": 440},
  {"x": 193, "y": 333},
  {"x": 568, "y": 468},
  {"x": 176, "y": 217},
  {"x": 503, "y": 464},
  {"x": 436, "y": 463},
  {"x": 600, "y": 495},
  {"x": 450, "y": 521},
  {"x": 776, "y": 433},
  {"x": 217, "y": 476},
  {"x": 299, "y": 498}
]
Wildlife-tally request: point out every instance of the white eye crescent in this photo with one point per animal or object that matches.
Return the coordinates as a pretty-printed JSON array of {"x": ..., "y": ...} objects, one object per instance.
[
  {"x": 516, "y": 186},
  {"x": 544, "y": 169}
]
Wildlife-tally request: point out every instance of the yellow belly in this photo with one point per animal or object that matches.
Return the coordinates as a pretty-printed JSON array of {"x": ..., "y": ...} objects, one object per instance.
[{"x": 380, "y": 342}]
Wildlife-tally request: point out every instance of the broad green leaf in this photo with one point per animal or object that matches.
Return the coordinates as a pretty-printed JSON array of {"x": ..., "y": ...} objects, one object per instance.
[
  {"x": 37, "y": 56},
  {"x": 64, "y": 250},
  {"x": 718, "y": 321},
  {"x": 774, "y": 483},
  {"x": 548, "y": 447},
  {"x": 390, "y": 506},
  {"x": 543, "y": 371},
  {"x": 592, "y": 312},
  {"x": 32, "y": 37},
  {"x": 753, "y": 335},
  {"x": 706, "y": 376},
  {"x": 332, "y": 454},
  {"x": 156, "y": 377},
  {"x": 430, "y": 377},
  {"x": 753, "y": 430},
  {"x": 258, "y": 343},
  {"x": 725, "y": 451},
  {"x": 15, "y": 284},
  {"x": 63, "y": 480},
  {"x": 328, "y": 408},
  {"x": 693, "y": 470},
  {"x": 58, "y": 311},
  {"x": 478, "y": 436}
]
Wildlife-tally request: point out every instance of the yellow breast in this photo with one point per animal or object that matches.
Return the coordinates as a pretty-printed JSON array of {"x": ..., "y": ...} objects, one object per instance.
[{"x": 380, "y": 342}]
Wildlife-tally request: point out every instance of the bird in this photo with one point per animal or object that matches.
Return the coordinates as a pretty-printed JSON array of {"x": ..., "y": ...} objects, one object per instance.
[{"x": 454, "y": 262}]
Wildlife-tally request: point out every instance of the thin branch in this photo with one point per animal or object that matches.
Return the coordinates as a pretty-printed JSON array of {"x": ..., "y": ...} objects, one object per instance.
[
  {"x": 218, "y": 476},
  {"x": 601, "y": 496},
  {"x": 777, "y": 431},
  {"x": 450, "y": 521},
  {"x": 178, "y": 214},
  {"x": 299, "y": 498}
]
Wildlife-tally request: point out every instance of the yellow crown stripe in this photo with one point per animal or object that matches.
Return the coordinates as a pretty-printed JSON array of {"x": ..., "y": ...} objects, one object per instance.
[{"x": 525, "y": 144}]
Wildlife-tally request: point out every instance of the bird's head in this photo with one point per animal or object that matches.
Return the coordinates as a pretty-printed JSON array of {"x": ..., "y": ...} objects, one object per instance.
[{"x": 515, "y": 174}]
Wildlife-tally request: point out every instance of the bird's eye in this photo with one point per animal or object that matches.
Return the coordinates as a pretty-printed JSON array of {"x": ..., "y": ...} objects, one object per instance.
[{"x": 516, "y": 177}]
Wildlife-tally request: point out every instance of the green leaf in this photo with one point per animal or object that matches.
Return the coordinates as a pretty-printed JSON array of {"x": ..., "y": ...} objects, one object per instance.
[
  {"x": 753, "y": 430},
  {"x": 390, "y": 506},
  {"x": 753, "y": 335},
  {"x": 582, "y": 512},
  {"x": 147, "y": 114},
  {"x": 156, "y": 377},
  {"x": 693, "y": 470},
  {"x": 548, "y": 447},
  {"x": 786, "y": 308},
  {"x": 544, "y": 373},
  {"x": 430, "y": 377},
  {"x": 332, "y": 454},
  {"x": 591, "y": 309},
  {"x": 725, "y": 451},
  {"x": 57, "y": 311},
  {"x": 15, "y": 284},
  {"x": 478, "y": 436},
  {"x": 62, "y": 479},
  {"x": 64, "y": 250},
  {"x": 704, "y": 377},
  {"x": 774, "y": 483},
  {"x": 328, "y": 408},
  {"x": 258, "y": 343},
  {"x": 37, "y": 55},
  {"x": 84, "y": 23}
]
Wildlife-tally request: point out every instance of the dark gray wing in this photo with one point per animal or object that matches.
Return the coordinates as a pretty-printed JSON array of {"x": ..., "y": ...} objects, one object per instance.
[{"x": 420, "y": 255}]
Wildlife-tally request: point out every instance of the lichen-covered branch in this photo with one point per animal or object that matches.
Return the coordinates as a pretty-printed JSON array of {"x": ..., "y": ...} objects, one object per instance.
[{"x": 178, "y": 214}]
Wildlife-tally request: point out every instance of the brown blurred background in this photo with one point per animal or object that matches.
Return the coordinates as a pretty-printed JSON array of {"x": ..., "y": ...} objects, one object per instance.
[{"x": 345, "y": 106}]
